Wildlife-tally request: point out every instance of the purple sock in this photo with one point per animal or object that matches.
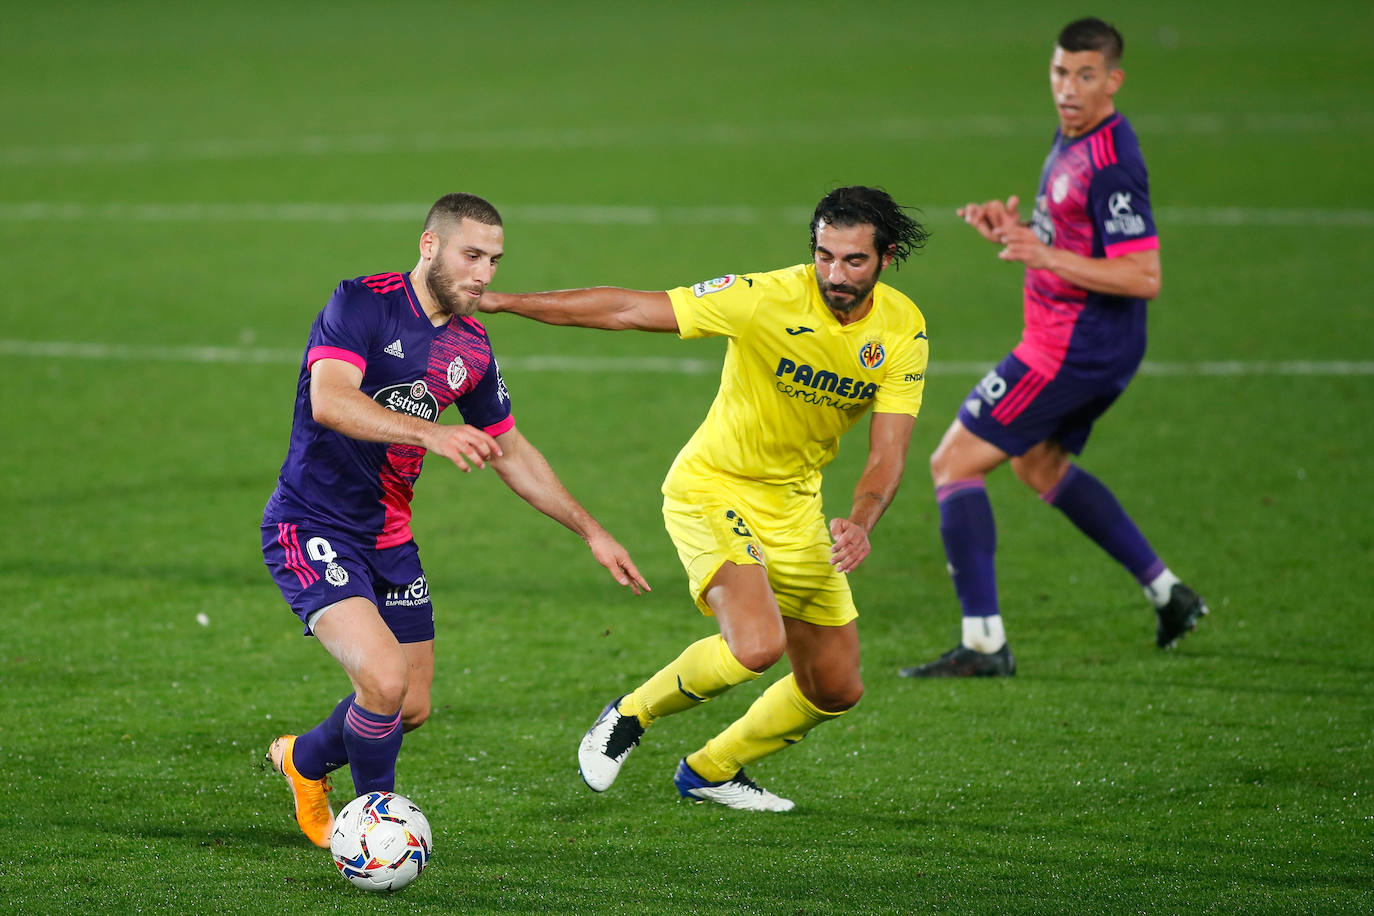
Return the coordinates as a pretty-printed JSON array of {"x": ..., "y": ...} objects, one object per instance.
[
  {"x": 373, "y": 741},
  {"x": 1092, "y": 507},
  {"x": 321, "y": 750},
  {"x": 970, "y": 536}
]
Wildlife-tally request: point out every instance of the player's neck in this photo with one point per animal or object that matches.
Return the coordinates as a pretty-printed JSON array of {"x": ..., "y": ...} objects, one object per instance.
[
  {"x": 1103, "y": 117},
  {"x": 436, "y": 315},
  {"x": 858, "y": 313}
]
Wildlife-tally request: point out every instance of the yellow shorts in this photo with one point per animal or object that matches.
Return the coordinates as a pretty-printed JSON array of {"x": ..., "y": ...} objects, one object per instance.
[{"x": 766, "y": 526}]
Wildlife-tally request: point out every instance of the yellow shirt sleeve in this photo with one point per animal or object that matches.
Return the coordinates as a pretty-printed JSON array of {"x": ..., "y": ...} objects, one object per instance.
[
  {"x": 904, "y": 389},
  {"x": 723, "y": 307}
]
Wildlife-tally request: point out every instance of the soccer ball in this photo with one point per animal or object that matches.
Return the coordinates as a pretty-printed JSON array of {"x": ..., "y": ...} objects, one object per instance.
[{"x": 381, "y": 841}]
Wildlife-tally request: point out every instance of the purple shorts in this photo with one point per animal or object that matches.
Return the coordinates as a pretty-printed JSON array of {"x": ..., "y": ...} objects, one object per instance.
[
  {"x": 1016, "y": 408},
  {"x": 317, "y": 567}
]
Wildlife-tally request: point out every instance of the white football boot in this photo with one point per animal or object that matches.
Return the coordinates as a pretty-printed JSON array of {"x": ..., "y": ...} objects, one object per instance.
[
  {"x": 739, "y": 791},
  {"x": 606, "y": 745}
]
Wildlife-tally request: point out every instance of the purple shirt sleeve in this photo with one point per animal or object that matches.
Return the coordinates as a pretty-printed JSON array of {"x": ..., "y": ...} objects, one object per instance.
[
  {"x": 1119, "y": 200},
  {"x": 487, "y": 406},
  {"x": 345, "y": 328}
]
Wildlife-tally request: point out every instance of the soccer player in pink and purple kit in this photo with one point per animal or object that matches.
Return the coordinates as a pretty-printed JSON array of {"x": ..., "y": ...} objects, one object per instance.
[
  {"x": 1092, "y": 261},
  {"x": 386, "y": 355}
]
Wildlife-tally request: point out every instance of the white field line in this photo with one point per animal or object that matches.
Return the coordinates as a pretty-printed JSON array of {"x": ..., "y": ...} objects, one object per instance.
[
  {"x": 657, "y": 136},
  {"x": 77, "y": 350},
  {"x": 603, "y": 215}
]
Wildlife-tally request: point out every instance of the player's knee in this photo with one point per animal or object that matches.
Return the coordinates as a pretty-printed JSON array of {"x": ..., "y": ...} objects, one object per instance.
[
  {"x": 759, "y": 656},
  {"x": 839, "y": 695},
  {"x": 383, "y": 691},
  {"x": 939, "y": 466},
  {"x": 1024, "y": 473},
  {"x": 759, "y": 651},
  {"x": 949, "y": 463},
  {"x": 935, "y": 466},
  {"x": 1040, "y": 475},
  {"x": 413, "y": 715}
]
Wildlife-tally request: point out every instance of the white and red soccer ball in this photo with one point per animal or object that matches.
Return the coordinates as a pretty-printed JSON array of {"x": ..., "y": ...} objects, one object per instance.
[{"x": 381, "y": 841}]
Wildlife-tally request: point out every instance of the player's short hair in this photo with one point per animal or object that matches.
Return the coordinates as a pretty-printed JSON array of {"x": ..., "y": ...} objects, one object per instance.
[
  {"x": 1092, "y": 34},
  {"x": 451, "y": 208},
  {"x": 893, "y": 230}
]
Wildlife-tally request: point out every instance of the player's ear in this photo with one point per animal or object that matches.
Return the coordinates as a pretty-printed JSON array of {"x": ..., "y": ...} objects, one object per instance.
[
  {"x": 1115, "y": 77},
  {"x": 429, "y": 244},
  {"x": 888, "y": 256}
]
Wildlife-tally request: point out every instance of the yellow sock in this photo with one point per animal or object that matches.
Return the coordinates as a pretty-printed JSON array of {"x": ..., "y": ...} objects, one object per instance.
[
  {"x": 707, "y": 668},
  {"x": 780, "y": 717}
]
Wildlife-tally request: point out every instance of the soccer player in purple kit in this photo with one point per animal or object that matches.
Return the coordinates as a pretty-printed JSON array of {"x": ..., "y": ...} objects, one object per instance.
[
  {"x": 1092, "y": 262},
  {"x": 386, "y": 355}
]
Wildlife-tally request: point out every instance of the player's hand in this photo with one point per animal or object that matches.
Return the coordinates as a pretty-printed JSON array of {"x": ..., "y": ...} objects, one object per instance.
[
  {"x": 992, "y": 217},
  {"x": 461, "y": 444},
  {"x": 491, "y": 302},
  {"x": 850, "y": 546},
  {"x": 1021, "y": 244},
  {"x": 617, "y": 559}
]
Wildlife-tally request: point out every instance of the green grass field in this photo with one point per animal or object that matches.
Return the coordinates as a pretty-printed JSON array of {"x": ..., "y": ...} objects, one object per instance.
[{"x": 181, "y": 189}]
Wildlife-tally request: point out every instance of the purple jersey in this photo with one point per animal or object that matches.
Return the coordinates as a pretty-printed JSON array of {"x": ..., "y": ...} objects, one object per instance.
[
  {"x": 1093, "y": 200},
  {"x": 332, "y": 481}
]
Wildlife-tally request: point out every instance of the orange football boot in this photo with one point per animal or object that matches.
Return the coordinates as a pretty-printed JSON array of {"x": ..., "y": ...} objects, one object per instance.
[{"x": 313, "y": 813}]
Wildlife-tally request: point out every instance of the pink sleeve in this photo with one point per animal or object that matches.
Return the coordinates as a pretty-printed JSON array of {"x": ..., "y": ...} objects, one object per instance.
[
  {"x": 318, "y": 353},
  {"x": 1120, "y": 248},
  {"x": 503, "y": 426}
]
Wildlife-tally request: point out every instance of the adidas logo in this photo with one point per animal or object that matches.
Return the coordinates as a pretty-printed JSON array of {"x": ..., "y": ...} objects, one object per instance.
[
  {"x": 973, "y": 406},
  {"x": 394, "y": 349}
]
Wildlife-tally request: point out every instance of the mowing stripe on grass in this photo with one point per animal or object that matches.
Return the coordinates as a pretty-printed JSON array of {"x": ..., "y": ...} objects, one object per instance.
[
  {"x": 675, "y": 135},
  {"x": 604, "y": 215},
  {"x": 92, "y": 350}
]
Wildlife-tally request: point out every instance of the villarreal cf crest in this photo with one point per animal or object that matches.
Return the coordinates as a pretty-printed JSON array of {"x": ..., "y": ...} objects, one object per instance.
[{"x": 872, "y": 354}]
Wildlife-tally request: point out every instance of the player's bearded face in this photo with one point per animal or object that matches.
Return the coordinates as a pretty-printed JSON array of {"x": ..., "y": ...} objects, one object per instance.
[
  {"x": 464, "y": 263},
  {"x": 846, "y": 296},
  {"x": 847, "y": 265},
  {"x": 447, "y": 289}
]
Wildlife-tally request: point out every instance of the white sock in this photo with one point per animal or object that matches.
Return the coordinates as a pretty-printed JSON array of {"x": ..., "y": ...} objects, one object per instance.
[
  {"x": 984, "y": 634},
  {"x": 1159, "y": 588}
]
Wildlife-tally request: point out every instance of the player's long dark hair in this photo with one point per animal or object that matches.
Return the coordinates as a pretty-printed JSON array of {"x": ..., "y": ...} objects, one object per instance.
[{"x": 893, "y": 230}]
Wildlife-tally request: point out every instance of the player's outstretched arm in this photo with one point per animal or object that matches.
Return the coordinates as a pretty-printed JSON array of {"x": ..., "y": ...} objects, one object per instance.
[
  {"x": 337, "y": 401},
  {"x": 889, "y": 437},
  {"x": 607, "y": 307},
  {"x": 528, "y": 474}
]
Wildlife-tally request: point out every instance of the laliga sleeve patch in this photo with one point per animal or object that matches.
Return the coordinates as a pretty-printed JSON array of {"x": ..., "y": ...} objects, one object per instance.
[{"x": 714, "y": 286}]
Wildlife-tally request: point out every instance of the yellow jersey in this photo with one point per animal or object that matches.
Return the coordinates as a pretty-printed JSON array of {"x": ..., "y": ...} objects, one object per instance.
[{"x": 794, "y": 380}]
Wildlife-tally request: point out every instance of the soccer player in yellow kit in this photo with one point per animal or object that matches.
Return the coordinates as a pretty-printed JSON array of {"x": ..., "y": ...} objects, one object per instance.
[{"x": 811, "y": 349}]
